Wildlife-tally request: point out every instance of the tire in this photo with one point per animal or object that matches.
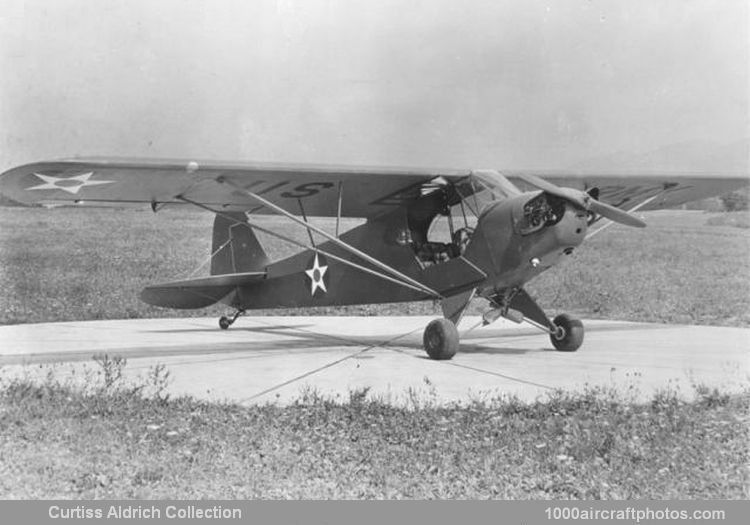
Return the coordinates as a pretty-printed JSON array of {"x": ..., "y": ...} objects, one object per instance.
[
  {"x": 224, "y": 322},
  {"x": 570, "y": 336},
  {"x": 440, "y": 339}
]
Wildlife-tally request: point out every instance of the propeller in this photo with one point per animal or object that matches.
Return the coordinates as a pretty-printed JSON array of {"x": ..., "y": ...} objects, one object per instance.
[{"x": 584, "y": 200}]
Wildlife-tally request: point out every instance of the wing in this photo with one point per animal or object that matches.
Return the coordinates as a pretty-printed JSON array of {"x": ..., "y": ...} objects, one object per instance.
[
  {"x": 661, "y": 190},
  {"x": 363, "y": 192}
]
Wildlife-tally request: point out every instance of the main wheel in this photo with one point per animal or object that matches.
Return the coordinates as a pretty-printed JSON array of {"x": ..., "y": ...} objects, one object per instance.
[
  {"x": 569, "y": 334},
  {"x": 224, "y": 322},
  {"x": 441, "y": 339}
]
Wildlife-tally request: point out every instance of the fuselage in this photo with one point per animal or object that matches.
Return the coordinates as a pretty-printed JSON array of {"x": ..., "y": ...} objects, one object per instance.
[
  {"x": 521, "y": 237},
  {"x": 515, "y": 240}
]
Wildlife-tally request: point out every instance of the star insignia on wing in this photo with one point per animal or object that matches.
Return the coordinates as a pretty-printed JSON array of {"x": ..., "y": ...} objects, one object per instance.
[
  {"x": 69, "y": 184},
  {"x": 316, "y": 274}
]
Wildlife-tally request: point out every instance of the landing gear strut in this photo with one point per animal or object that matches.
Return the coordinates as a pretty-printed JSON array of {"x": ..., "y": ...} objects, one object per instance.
[
  {"x": 568, "y": 335},
  {"x": 225, "y": 322},
  {"x": 441, "y": 339},
  {"x": 565, "y": 332}
]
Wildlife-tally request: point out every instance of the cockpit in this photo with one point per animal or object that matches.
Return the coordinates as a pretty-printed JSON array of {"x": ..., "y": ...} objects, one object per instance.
[
  {"x": 435, "y": 250},
  {"x": 442, "y": 223}
]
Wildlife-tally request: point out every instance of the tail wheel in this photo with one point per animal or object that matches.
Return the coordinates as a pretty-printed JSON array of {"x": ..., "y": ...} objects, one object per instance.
[
  {"x": 569, "y": 334},
  {"x": 441, "y": 339},
  {"x": 225, "y": 322}
]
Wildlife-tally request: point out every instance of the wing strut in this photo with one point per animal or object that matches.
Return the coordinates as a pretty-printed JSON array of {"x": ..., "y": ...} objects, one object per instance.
[
  {"x": 354, "y": 265},
  {"x": 208, "y": 259},
  {"x": 338, "y": 209},
  {"x": 333, "y": 239},
  {"x": 304, "y": 217}
]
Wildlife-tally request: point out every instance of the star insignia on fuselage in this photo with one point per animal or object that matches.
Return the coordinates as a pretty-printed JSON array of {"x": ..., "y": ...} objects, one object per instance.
[
  {"x": 316, "y": 274},
  {"x": 69, "y": 184}
]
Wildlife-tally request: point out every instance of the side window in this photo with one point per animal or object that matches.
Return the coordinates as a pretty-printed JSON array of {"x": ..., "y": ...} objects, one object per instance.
[{"x": 447, "y": 237}]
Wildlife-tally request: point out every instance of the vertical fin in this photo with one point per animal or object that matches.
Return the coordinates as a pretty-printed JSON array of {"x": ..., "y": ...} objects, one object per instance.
[{"x": 235, "y": 247}]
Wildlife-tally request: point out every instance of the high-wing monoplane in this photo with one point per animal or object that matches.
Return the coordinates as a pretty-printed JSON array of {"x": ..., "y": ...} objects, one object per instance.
[{"x": 503, "y": 230}]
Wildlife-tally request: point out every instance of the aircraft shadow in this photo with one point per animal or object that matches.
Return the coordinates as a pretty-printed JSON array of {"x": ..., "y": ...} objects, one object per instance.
[
  {"x": 233, "y": 329},
  {"x": 500, "y": 350},
  {"x": 303, "y": 338},
  {"x": 299, "y": 337}
]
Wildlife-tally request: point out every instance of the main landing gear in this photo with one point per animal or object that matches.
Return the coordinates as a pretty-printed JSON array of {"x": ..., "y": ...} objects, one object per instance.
[
  {"x": 568, "y": 335},
  {"x": 441, "y": 339},
  {"x": 225, "y": 322}
]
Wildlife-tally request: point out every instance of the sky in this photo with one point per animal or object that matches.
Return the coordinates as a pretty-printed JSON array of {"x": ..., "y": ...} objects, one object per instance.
[{"x": 442, "y": 83}]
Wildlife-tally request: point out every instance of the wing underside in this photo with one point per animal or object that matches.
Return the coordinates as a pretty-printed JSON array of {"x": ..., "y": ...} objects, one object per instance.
[{"x": 323, "y": 191}]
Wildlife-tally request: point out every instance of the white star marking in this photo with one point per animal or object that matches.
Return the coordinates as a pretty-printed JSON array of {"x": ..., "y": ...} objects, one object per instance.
[
  {"x": 53, "y": 183},
  {"x": 316, "y": 274}
]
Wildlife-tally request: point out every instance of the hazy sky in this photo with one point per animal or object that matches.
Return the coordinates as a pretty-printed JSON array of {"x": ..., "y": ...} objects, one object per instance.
[{"x": 456, "y": 83}]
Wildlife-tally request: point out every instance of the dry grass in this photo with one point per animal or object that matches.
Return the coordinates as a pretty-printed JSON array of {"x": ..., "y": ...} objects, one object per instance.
[
  {"x": 73, "y": 264},
  {"x": 110, "y": 441},
  {"x": 678, "y": 270},
  {"x": 738, "y": 219}
]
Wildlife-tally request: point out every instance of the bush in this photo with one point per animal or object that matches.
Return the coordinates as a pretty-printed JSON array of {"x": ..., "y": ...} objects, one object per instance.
[{"x": 735, "y": 201}]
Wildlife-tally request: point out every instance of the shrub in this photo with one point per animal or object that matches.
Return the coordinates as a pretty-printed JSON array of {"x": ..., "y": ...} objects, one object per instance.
[{"x": 735, "y": 201}]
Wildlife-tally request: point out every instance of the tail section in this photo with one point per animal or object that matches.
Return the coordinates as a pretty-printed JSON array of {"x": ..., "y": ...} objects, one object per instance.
[
  {"x": 235, "y": 247},
  {"x": 197, "y": 293},
  {"x": 238, "y": 260}
]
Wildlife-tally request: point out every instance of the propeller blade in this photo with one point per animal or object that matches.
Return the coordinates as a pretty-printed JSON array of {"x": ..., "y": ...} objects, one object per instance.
[
  {"x": 616, "y": 214},
  {"x": 585, "y": 200},
  {"x": 575, "y": 196},
  {"x": 540, "y": 183}
]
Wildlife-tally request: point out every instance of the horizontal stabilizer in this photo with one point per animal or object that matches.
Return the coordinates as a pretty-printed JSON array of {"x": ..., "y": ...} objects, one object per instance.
[{"x": 197, "y": 293}]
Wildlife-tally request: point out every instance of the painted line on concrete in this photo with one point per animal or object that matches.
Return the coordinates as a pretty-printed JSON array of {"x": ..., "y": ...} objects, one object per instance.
[
  {"x": 387, "y": 345},
  {"x": 324, "y": 367}
]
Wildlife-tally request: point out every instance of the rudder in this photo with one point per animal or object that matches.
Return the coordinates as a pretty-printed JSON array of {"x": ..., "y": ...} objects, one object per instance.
[{"x": 235, "y": 247}]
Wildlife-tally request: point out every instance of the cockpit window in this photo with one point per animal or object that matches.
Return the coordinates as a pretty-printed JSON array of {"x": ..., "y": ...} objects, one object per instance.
[
  {"x": 447, "y": 237},
  {"x": 476, "y": 194}
]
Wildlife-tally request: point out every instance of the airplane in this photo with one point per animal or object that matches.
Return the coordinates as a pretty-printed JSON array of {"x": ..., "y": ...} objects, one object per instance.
[{"x": 504, "y": 229}]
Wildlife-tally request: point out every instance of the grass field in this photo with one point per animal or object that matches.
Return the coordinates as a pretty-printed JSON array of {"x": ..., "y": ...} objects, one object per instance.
[
  {"x": 74, "y": 264},
  {"x": 110, "y": 441}
]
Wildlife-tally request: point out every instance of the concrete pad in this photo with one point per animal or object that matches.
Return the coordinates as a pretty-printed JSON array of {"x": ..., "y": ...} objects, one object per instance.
[{"x": 275, "y": 359}]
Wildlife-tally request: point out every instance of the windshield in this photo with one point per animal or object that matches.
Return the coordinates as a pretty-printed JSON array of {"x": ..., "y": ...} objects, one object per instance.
[
  {"x": 476, "y": 194},
  {"x": 483, "y": 187}
]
